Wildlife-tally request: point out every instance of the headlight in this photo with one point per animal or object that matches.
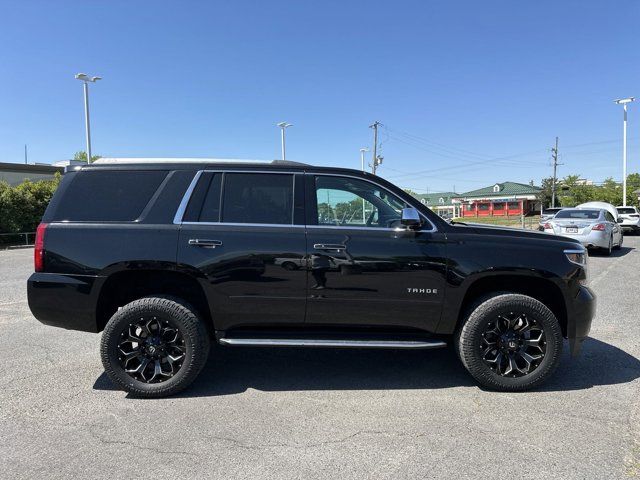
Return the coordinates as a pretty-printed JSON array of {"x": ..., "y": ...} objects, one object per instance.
[{"x": 577, "y": 256}]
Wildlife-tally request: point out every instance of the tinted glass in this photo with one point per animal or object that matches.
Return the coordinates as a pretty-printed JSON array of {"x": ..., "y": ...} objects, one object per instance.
[
  {"x": 210, "y": 211},
  {"x": 117, "y": 196},
  {"x": 626, "y": 210},
  {"x": 349, "y": 202},
  {"x": 579, "y": 214},
  {"x": 258, "y": 198},
  {"x": 551, "y": 211}
]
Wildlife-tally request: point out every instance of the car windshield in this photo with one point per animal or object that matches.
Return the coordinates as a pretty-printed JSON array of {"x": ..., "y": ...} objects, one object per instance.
[
  {"x": 626, "y": 210},
  {"x": 551, "y": 211},
  {"x": 579, "y": 214}
]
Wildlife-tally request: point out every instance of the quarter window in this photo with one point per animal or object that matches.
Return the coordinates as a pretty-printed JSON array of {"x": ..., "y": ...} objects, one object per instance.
[{"x": 350, "y": 202}]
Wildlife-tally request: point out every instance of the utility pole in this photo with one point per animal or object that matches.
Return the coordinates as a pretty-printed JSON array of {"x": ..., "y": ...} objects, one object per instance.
[
  {"x": 554, "y": 152},
  {"x": 375, "y": 160},
  {"x": 25, "y": 154}
]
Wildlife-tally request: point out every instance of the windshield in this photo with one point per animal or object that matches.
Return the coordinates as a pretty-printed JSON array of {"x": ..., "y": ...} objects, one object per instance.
[
  {"x": 579, "y": 214},
  {"x": 626, "y": 210},
  {"x": 551, "y": 211}
]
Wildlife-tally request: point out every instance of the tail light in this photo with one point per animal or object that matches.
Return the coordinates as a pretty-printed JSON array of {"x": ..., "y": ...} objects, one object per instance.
[
  {"x": 599, "y": 227},
  {"x": 547, "y": 226},
  {"x": 38, "y": 252}
]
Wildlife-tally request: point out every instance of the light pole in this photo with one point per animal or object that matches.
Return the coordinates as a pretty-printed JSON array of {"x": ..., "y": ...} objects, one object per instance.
[
  {"x": 363, "y": 150},
  {"x": 623, "y": 102},
  {"x": 85, "y": 79},
  {"x": 283, "y": 126}
]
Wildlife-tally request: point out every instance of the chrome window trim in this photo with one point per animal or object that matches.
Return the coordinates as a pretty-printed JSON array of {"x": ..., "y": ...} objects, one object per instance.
[
  {"x": 177, "y": 219},
  {"x": 433, "y": 226},
  {"x": 231, "y": 224}
]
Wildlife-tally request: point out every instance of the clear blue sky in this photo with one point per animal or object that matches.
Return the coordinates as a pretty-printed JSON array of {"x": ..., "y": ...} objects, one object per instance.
[{"x": 459, "y": 85}]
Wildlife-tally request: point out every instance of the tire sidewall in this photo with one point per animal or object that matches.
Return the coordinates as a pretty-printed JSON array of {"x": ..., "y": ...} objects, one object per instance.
[
  {"x": 470, "y": 339},
  {"x": 180, "y": 317}
]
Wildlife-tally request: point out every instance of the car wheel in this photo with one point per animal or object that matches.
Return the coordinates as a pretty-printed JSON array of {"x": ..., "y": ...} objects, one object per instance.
[
  {"x": 609, "y": 249},
  {"x": 154, "y": 346},
  {"x": 619, "y": 245},
  {"x": 510, "y": 342},
  {"x": 289, "y": 266}
]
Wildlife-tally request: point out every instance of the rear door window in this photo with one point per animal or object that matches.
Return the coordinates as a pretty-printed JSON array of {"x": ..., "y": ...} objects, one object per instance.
[
  {"x": 109, "y": 195},
  {"x": 257, "y": 198}
]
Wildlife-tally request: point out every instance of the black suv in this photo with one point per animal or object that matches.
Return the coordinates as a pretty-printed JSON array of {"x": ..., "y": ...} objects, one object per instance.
[{"x": 168, "y": 256}]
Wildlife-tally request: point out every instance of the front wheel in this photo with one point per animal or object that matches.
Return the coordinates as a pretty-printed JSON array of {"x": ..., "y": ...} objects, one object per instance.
[
  {"x": 154, "y": 346},
  {"x": 510, "y": 342}
]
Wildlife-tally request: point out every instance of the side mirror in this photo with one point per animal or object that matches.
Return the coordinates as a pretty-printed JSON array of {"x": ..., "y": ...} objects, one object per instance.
[
  {"x": 410, "y": 218},
  {"x": 620, "y": 220}
]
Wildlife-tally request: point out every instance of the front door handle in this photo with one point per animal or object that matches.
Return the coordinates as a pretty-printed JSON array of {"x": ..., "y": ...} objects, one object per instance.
[
  {"x": 199, "y": 242},
  {"x": 329, "y": 246}
]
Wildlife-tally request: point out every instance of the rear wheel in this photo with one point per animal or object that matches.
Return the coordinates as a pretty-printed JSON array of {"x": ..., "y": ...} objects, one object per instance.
[
  {"x": 619, "y": 245},
  {"x": 609, "y": 249},
  {"x": 154, "y": 346},
  {"x": 510, "y": 342}
]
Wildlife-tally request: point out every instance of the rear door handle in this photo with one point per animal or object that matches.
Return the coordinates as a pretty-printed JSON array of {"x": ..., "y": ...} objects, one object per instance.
[
  {"x": 329, "y": 246},
  {"x": 199, "y": 242}
]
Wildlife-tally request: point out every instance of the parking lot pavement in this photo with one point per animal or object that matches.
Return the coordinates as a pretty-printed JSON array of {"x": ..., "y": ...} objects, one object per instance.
[{"x": 321, "y": 413}]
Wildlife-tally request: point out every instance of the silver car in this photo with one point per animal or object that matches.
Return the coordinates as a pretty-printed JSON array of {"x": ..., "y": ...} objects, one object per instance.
[
  {"x": 546, "y": 215},
  {"x": 594, "y": 228}
]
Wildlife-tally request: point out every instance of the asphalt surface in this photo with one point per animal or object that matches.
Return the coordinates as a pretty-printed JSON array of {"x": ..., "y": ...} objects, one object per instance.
[{"x": 297, "y": 413}]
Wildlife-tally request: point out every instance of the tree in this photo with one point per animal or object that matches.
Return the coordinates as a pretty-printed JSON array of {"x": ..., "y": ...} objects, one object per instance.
[
  {"x": 544, "y": 196},
  {"x": 81, "y": 156},
  {"x": 22, "y": 206}
]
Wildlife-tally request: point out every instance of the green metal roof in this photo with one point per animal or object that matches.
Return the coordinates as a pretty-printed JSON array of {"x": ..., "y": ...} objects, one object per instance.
[
  {"x": 503, "y": 189},
  {"x": 433, "y": 199}
]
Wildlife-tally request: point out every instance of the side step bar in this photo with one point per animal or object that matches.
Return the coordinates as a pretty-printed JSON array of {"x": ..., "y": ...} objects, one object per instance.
[{"x": 293, "y": 342}]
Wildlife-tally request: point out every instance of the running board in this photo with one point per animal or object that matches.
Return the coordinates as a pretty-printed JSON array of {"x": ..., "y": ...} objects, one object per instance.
[{"x": 293, "y": 342}]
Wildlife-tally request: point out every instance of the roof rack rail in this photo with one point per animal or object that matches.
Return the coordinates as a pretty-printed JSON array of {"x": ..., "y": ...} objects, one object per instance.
[{"x": 289, "y": 162}]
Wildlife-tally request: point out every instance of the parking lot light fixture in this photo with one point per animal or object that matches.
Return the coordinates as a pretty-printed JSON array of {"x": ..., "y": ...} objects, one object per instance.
[
  {"x": 283, "y": 126},
  {"x": 624, "y": 102},
  {"x": 85, "y": 79}
]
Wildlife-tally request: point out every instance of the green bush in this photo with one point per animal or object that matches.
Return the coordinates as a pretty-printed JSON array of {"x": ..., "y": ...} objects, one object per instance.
[{"x": 22, "y": 206}]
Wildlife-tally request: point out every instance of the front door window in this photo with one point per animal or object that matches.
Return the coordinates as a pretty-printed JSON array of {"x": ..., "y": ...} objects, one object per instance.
[{"x": 349, "y": 202}]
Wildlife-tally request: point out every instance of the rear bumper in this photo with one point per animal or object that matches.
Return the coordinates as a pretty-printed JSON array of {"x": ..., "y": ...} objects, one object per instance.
[
  {"x": 580, "y": 316},
  {"x": 594, "y": 238},
  {"x": 63, "y": 300}
]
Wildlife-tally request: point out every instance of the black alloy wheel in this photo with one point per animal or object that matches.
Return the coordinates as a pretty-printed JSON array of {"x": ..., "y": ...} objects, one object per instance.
[
  {"x": 151, "y": 350},
  {"x": 513, "y": 345},
  {"x": 154, "y": 346},
  {"x": 509, "y": 342}
]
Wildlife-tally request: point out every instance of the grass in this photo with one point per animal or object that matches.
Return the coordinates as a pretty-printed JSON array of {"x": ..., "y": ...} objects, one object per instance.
[{"x": 516, "y": 222}]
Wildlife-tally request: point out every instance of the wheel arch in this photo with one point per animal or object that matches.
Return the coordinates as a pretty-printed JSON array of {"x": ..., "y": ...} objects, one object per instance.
[
  {"x": 542, "y": 289},
  {"x": 122, "y": 287}
]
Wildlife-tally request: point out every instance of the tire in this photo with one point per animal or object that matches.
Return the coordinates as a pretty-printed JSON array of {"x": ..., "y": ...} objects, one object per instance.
[
  {"x": 154, "y": 321},
  {"x": 609, "y": 250},
  {"x": 619, "y": 245},
  {"x": 289, "y": 266},
  {"x": 473, "y": 342}
]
